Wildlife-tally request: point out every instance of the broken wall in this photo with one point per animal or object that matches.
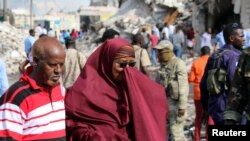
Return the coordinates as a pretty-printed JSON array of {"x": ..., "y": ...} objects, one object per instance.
[
  {"x": 113, "y": 3},
  {"x": 245, "y": 13},
  {"x": 140, "y": 12},
  {"x": 134, "y": 14}
]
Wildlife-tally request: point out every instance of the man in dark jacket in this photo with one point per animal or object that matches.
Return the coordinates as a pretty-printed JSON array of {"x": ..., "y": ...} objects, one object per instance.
[
  {"x": 215, "y": 104},
  {"x": 238, "y": 100}
]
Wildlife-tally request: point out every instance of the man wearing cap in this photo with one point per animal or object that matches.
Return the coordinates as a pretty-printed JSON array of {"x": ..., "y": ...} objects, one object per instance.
[{"x": 173, "y": 76}]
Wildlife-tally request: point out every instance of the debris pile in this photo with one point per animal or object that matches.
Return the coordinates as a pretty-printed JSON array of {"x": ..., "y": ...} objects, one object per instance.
[
  {"x": 11, "y": 47},
  {"x": 134, "y": 14}
]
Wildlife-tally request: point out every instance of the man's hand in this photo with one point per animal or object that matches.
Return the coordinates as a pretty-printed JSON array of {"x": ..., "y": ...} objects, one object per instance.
[{"x": 181, "y": 112}]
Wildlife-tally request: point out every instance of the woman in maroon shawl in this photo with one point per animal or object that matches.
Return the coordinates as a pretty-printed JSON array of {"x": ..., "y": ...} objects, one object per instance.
[{"x": 113, "y": 102}]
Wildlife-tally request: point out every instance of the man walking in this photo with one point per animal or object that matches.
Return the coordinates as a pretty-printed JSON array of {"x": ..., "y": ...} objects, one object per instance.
[
  {"x": 33, "y": 107},
  {"x": 173, "y": 76},
  {"x": 141, "y": 54},
  {"x": 195, "y": 76},
  {"x": 215, "y": 104},
  {"x": 28, "y": 43}
]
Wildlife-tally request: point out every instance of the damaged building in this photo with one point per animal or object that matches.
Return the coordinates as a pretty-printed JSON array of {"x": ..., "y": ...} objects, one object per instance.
[
  {"x": 197, "y": 13},
  {"x": 216, "y": 13},
  {"x": 134, "y": 14}
]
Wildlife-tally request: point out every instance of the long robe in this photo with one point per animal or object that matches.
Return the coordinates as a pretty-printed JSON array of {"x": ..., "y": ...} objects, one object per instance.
[{"x": 100, "y": 109}]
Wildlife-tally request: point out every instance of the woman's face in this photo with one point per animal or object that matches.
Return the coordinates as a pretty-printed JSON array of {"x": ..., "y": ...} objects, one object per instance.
[{"x": 119, "y": 64}]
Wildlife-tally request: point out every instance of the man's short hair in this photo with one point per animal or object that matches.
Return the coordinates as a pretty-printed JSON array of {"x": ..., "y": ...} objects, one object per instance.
[
  {"x": 229, "y": 30},
  {"x": 31, "y": 31},
  {"x": 205, "y": 50},
  {"x": 42, "y": 35},
  {"x": 70, "y": 42},
  {"x": 136, "y": 38},
  {"x": 109, "y": 34},
  {"x": 143, "y": 29}
]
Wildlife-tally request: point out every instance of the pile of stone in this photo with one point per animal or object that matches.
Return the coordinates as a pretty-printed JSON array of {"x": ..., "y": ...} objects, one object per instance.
[
  {"x": 11, "y": 46},
  {"x": 135, "y": 14}
]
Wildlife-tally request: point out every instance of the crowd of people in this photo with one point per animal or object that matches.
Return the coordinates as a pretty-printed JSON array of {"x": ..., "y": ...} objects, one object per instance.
[{"x": 62, "y": 95}]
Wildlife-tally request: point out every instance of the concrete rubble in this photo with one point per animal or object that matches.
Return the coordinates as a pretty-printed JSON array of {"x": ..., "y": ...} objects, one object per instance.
[
  {"x": 12, "y": 47},
  {"x": 134, "y": 14},
  {"x": 131, "y": 17}
]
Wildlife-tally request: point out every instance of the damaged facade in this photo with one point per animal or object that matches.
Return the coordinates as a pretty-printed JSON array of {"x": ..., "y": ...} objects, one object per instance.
[
  {"x": 155, "y": 10},
  {"x": 216, "y": 13},
  {"x": 134, "y": 14}
]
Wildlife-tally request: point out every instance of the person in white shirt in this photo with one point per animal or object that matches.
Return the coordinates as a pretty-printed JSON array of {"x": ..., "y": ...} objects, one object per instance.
[
  {"x": 156, "y": 30},
  {"x": 44, "y": 30},
  {"x": 206, "y": 38},
  {"x": 38, "y": 30},
  {"x": 51, "y": 33},
  {"x": 165, "y": 32},
  {"x": 171, "y": 29}
]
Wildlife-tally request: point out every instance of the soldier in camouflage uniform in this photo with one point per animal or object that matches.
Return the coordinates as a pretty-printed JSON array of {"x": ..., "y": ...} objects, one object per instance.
[
  {"x": 240, "y": 91},
  {"x": 173, "y": 76}
]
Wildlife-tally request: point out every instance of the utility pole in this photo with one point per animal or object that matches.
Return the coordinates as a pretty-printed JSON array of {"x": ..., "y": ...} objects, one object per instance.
[
  {"x": 5, "y": 10},
  {"x": 31, "y": 14}
]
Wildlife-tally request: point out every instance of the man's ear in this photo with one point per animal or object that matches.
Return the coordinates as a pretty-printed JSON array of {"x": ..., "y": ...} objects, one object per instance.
[
  {"x": 36, "y": 60},
  {"x": 231, "y": 38}
]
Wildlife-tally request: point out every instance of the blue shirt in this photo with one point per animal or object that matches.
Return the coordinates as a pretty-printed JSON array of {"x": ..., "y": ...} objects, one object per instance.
[
  {"x": 215, "y": 104},
  {"x": 28, "y": 43},
  {"x": 156, "y": 32},
  {"x": 220, "y": 39},
  {"x": 247, "y": 39},
  {"x": 66, "y": 34},
  {"x": 3, "y": 78}
]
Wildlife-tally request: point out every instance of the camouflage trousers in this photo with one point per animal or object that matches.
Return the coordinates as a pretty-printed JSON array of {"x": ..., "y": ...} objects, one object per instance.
[{"x": 176, "y": 124}]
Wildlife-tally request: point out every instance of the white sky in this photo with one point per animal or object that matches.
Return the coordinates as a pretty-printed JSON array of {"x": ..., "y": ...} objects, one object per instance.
[{"x": 41, "y": 7}]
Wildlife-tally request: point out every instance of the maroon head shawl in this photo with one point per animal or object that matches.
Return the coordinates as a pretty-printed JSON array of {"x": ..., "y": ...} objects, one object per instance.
[{"x": 98, "y": 109}]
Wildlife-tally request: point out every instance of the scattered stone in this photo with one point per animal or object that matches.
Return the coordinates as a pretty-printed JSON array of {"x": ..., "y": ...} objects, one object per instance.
[{"x": 11, "y": 46}]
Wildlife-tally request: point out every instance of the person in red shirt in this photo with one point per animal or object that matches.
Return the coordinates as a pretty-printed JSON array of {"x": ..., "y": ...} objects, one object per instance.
[
  {"x": 190, "y": 41},
  {"x": 74, "y": 34},
  {"x": 154, "y": 41},
  {"x": 33, "y": 107}
]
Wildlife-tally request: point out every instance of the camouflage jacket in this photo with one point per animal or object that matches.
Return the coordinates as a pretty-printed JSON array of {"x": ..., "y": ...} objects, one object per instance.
[
  {"x": 173, "y": 76},
  {"x": 240, "y": 91}
]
